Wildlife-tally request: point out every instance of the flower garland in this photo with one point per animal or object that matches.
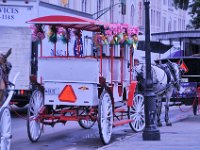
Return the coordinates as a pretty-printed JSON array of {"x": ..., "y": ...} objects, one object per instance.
[
  {"x": 64, "y": 34},
  {"x": 115, "y": 31},
  {"x": 116, "y": 40},
  {"x": 52, "y": 34},
  {"x": 37, "y": 33},
  {"x": 135, "y": 41}
]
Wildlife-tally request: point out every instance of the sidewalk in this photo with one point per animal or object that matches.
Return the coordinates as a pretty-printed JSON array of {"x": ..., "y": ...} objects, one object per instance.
[{"x": 182, "y": 135}]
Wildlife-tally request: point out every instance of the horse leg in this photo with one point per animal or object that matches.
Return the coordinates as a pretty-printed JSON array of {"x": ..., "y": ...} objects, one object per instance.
[
  {"x": 159, "y": 108},
  {"x": 168, "y": 123}
]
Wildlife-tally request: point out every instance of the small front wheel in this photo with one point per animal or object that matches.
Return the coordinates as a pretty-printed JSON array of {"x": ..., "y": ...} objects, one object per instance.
[
  {"x": 105, "y": 117},
  {"x": 5, "y": 128},
  {"x": 86, "y": 124},
  {"x": 34, "y": 126},
  {"x": 136, "y": 113}
]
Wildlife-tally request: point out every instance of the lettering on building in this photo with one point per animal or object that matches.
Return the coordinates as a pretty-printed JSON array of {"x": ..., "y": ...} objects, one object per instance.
[{"x": 8, "y": 13}]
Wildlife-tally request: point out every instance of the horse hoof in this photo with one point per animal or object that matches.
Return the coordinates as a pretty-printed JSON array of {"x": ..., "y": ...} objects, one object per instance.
[{"x": 169, "y": 124}]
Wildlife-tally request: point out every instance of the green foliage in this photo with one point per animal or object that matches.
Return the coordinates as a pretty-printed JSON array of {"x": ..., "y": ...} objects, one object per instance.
[
  {"x": 182, "y": 4},
  {"x": 195, "y": 13},
  {"x": 194, "y": 10},
  {"x": 52, "y": 34}
]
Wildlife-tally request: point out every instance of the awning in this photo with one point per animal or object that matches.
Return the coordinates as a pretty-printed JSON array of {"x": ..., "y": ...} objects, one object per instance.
[
  {"x": 68, "y": 22},
  {"x": 155, "y": 46},
  {"x": 177, "y": 35}
]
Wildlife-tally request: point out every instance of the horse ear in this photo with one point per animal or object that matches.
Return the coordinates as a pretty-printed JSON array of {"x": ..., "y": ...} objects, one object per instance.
[{"x": 8, "y": 53}]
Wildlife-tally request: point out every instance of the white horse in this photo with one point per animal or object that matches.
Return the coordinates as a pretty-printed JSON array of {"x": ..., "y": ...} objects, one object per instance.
[{"x": 166, "y": 79}]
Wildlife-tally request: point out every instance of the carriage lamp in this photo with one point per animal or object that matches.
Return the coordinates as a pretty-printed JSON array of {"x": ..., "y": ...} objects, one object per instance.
[{"x": 151, "y": 131}]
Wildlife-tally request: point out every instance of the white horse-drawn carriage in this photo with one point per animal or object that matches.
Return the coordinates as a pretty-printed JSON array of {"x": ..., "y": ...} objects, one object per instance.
[
  {"x": 6, "y": 92},
  {"x": 86, "y": 86}
]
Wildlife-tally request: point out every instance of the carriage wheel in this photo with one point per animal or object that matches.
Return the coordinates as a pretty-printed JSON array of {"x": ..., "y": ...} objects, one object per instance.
[
  {"x": 105, "y": 117},
  {"x": 86, "y": 124},
  {"x": 5, "y": 129},
  {"x": 136, "y": 113},
  {"x": 34, "y": 126}
]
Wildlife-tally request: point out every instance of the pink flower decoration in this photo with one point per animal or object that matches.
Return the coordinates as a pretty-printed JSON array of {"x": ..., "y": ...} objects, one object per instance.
[
  {"x": 40, "y": 35},
  {"x": 125, "y": 26},
  {"x": 61, "y": 31},
  {"x": 107, "y": 26},
  {"x": 34, "y": 38},
  {"x": 108, "y": 32}
]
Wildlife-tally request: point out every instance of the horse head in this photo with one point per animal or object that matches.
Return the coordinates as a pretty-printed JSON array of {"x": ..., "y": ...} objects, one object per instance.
[
  {"x": 5, "y": 65},
  {"x": 177, "y": 75},
  {"x": 140, "y": 76},
  {"x": 3, "y": 57}
]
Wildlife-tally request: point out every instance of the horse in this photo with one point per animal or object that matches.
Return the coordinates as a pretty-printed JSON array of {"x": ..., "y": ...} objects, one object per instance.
[
  {"x": 5, "y": 68},
  {"x": 166, "y": 78}
]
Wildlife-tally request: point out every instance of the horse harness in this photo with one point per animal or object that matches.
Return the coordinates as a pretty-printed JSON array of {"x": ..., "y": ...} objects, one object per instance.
[{"x": 168, "y": 68}]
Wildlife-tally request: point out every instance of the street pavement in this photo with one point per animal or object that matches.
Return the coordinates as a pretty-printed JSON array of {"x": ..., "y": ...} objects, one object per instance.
[{"x": 182, "y": 135}]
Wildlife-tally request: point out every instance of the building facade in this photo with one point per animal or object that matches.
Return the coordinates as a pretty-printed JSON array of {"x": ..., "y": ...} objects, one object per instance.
[{"x": 164, "y": 16}]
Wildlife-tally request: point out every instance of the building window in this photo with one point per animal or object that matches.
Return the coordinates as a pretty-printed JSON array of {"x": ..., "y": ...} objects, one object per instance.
[
  {"x": 164, "y": 2},
  {"x": 170, "y": 25},
  {"x": 179, "y": 24},
  {"x": 84, "y": 5},
  {"x": 175, "y": 24},
  {"x": 99, "y": 7},
  {"x": 141, "y": 22},
  {"x": 164, "y": 24},
  {"x": 111, "y": 11},
  {"x": 65, "y": 3},
  {"x": 151, "y": 17},
  {"x": 158, "y": 19},
  {"x": 132, "y": 14},
  {"x": 170, "y": 3},
  {"x": 154, "y": 17},
  {"x": 183, "y": 24}
]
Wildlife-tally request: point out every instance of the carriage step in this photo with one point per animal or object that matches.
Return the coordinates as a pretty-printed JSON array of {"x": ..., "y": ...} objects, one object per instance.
[
  {"x": 120, "y": 110},
  {"x": 122, "y": 122}
]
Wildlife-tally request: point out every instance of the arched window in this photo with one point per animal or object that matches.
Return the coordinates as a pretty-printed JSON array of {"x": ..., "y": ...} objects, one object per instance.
[
  {"x": 84, "y": 5},
  {"x": 132, "y": 14},
  {"x": 111, "y": 11}
]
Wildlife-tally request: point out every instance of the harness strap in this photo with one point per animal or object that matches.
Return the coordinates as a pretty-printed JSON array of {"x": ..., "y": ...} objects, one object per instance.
[{"x": 166, "y": 68}]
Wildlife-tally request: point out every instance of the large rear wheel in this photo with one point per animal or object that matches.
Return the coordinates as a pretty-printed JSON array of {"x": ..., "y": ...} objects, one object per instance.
[
  {"x": 136, "y": 113},
  {"x": 5, "y": 128},
  {"x": 34, "y": 125},
  {"x": 105, "y": 117}
]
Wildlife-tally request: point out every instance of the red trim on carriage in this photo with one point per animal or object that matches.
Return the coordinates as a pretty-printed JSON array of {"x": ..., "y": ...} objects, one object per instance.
[
  {"x": 69, "y": 22},
  {"x": 131, "y": 92}
]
